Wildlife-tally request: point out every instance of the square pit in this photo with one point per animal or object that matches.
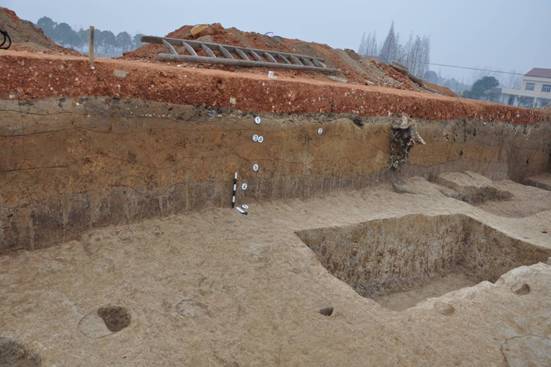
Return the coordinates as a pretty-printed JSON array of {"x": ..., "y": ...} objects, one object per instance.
[{"x": 400, "y": 262}]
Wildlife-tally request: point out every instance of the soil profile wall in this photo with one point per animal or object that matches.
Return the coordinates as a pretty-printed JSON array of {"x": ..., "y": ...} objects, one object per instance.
[{"x": 71, "y": 165}]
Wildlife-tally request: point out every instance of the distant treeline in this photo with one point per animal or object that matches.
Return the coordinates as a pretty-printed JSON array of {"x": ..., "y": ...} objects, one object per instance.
[
  {"x": 106, "y": 42},
  {"x": 414, "y": 55}
]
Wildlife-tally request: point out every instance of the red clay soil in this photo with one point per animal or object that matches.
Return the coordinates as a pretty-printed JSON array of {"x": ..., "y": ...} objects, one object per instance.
[
  {"x": 351, "y": 65},
  {"x": 26, "y": 36},
  {"x": 27, "y": 76}
]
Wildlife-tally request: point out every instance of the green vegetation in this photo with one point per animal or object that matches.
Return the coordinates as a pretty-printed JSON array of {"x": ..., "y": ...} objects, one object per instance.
[
  {"x": 482, "y": 88},
  {"x": 107, "y": 43}
]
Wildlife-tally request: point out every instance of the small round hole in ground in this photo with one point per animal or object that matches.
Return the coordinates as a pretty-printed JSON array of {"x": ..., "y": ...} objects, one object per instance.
[
  {"x": 116, "y": 318},
  {"x": 13, "y": 354},
  {"x": 327, "y": 311},
  {"x": 444, "y": 308},
  {"x": 521, "y": 289}
]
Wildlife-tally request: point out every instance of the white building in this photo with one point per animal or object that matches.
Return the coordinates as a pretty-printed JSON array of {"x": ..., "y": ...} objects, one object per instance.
[{"x": 535, "y": 90}]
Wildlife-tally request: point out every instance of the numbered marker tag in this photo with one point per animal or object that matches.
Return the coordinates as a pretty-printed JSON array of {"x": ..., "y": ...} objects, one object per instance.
[
  {"x": 320, "y": 131},
  {"x": 245, "y": 206},
  {"x": 258, "y": 120},
  {"x": 256, "y": 167},
  {"x": 244, "y": 186},
  {"x": 255, "y": 138},
  {"x": 260, "y": 139}
]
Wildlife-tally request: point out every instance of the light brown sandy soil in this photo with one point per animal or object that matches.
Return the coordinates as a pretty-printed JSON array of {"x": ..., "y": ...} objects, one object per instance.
[
  {"x": 215, "y": 288},
  {"x": 524, "y": 200},
  {"x": 401, "y": 301},
  {"x": 69, "y": 165}
]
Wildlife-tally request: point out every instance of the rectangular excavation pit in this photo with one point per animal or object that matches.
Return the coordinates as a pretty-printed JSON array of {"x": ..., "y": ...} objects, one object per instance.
[{"x": 400, "y": 262}]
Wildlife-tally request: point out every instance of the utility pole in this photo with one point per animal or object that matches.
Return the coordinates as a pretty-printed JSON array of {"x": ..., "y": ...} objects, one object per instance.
[{"x": 91, "y": 37}]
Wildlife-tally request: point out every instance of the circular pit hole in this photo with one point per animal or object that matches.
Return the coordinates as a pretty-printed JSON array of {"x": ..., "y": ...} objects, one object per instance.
[
  {"x": 115, "y": 318},
  {"x": 327, "y": 311}
]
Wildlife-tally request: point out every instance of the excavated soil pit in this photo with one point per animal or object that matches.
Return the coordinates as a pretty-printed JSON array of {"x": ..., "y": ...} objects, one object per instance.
[{"x": 400, "y": 262}]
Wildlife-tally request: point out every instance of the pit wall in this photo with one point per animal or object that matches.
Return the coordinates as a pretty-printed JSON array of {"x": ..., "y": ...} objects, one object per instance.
[
  {"x": 396, "y": 254},
  {"x": 71, "y": 165}
]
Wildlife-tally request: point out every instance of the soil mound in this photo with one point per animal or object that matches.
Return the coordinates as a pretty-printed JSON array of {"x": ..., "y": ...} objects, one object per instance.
[
  {"x": 353, "y": 67},
  {"x": 26, "y": 36}
]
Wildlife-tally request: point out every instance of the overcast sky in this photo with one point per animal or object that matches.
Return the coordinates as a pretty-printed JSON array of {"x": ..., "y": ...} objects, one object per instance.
[{"x": 499, "y": 34}]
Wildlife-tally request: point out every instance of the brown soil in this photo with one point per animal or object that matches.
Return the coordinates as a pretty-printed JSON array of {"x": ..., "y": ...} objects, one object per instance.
[
  {"x": 69, "y": 165},
  {"x": 31, "y": 76},
  {"x": 13, "y": 354},
  {"x": 353, "y": 67},
  {"x": 27, "y": 37}
]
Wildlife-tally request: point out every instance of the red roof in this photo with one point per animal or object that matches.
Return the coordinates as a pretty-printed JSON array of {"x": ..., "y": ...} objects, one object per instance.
[{"x": 539, "y": 73}]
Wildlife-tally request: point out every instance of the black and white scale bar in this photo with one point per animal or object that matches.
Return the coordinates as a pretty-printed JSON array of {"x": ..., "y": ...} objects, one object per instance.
[{"x": 234, "y": 191}]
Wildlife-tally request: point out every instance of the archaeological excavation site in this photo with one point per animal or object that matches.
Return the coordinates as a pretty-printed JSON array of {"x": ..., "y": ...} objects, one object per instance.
[{"x": 226, "y": 198}]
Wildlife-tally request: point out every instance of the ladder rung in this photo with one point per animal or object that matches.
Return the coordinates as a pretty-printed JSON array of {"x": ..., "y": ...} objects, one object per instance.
[
  {"x": 170, "y": 47},
  {"x": 256, "y": 56},
  {"x": 189, "y": 48},
  {"x": 225, "y": 52},
  {"x": 270, "y": 57},
  {"x": 307, "y": 61},
  {"x": 207, "y": 50},
  {"x": 296, "y": 60},
  {"x": 284, "y": 58},
  {"x": 316, "y": 62},
  {"x": 242, "y": 54}
]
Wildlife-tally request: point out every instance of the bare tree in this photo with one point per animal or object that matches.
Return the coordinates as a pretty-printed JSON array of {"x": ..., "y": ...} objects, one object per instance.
[
  {"x": 414, "y": 55},
  {"x": 389, "y": 51},
  {"x": 417, "y": 57},
  {"x": 368, "y": 45},
  {"x": 425, "y": 58},
  {"x": 371, "y": 45},
  {"x": 362, "y": 49},
  {"x": 404, "y": 53}
]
